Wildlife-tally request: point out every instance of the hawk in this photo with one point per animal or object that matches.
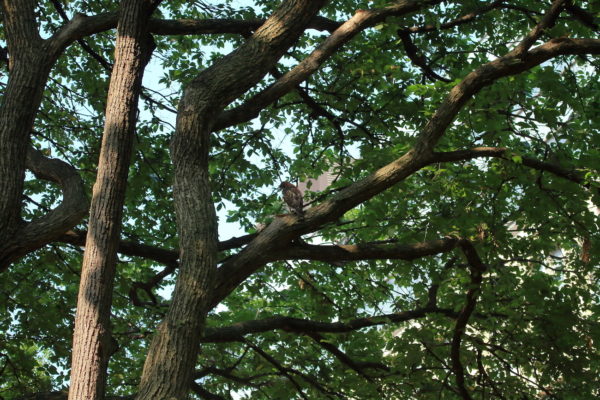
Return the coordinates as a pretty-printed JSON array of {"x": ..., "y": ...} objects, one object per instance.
[{"x": 292, "y": 197}]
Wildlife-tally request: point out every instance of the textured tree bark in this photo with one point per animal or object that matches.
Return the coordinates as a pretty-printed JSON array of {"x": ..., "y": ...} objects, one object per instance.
[
  {"x": 31, "y": 59},
  {"x": 92, "y": 342},
  {"x": 166, "y": 376},
  {"x": 27, "y": 76}
]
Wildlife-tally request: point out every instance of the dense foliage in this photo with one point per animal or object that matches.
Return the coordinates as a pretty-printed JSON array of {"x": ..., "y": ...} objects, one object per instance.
[{"x": 529, "y": 212}]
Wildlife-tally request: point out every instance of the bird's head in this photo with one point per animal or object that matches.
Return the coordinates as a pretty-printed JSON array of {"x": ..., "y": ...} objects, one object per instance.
[{"x": 286, "y": 185}]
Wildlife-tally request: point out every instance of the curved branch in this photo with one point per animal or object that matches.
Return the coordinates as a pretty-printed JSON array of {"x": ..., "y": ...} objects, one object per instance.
[{"x": 48, "y": 228}]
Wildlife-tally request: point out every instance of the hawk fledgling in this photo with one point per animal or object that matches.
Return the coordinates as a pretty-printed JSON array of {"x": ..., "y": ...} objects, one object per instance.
[{"x": 293, "y": 198}]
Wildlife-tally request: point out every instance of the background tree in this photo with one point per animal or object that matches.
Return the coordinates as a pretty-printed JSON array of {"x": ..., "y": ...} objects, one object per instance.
[{"x": 455, "y": 254}]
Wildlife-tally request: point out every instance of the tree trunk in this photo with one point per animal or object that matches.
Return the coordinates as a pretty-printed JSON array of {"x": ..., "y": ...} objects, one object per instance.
[
  {"x": 28, "y": 72},
  {"x": 92, "y": 342},
  {"x": 166, "y": 376}
]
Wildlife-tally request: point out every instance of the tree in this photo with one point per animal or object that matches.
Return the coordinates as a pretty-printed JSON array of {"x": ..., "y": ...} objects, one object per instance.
[{"x": 454, "y": 256}]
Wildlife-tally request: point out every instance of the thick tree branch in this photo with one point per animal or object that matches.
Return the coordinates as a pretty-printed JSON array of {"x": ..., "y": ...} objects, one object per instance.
[
  {"x": 285, "y": 229},
  {"x": 62, "y": 395},
  {"x": 50, "y": 227},
  {"x": 93, "y": 343},
  {"x": 206, "y": 95},
  {"x": 360, "y": 21},
  {"x": 21, "y": 29},
  {"x": 220, "y": 26},
  {"x": 158, "y": 254}
]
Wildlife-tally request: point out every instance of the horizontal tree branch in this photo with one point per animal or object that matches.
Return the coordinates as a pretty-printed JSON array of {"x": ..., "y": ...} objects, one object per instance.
[
  {"x": 237, "y": 331},
  {"x": 136, "y": 249},
  {"x": 365, "y": 251},
  {"x": 504, "y": 153},
  {"x": 81, "y": 26}
]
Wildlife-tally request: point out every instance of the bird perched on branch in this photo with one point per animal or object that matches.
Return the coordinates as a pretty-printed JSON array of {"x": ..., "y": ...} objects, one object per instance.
[{"x": 293, "y": 198}]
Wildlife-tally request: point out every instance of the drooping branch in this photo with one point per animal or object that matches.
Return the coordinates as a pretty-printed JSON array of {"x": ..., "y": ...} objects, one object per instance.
[{"x": 50, "y": 227}]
